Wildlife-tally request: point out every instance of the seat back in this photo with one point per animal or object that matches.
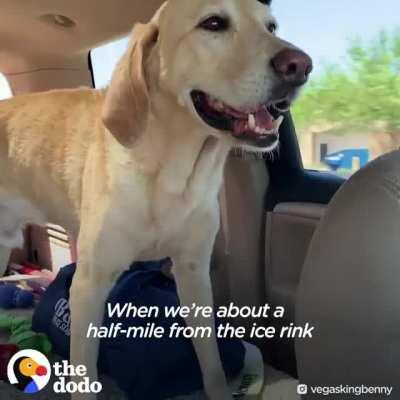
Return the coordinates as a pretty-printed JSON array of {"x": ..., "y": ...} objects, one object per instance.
[{"x": 350, "y": 286}]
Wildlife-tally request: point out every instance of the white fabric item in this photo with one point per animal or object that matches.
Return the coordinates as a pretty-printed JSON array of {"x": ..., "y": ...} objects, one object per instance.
[{"x": 279, "y": 386}]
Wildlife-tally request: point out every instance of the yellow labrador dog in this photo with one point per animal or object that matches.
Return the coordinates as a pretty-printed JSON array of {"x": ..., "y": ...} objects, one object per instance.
[{"x": 134, "y": 171}]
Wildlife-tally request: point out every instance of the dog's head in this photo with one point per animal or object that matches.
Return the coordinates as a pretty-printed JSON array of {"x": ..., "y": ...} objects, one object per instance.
[{"x": 221, "y": 60}]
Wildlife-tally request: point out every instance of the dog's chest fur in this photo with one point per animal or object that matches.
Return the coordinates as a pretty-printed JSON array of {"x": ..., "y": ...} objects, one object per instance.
[{"x": 160, "y": 214}]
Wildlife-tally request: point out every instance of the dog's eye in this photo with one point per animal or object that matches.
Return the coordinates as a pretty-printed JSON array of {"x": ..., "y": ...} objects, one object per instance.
[
  {"x": 215, "y": 24},
  {"x": 272, "y": 27}
]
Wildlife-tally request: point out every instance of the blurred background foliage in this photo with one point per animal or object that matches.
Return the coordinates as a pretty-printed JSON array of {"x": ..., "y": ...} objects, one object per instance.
[{"x": 360, "y": 93}]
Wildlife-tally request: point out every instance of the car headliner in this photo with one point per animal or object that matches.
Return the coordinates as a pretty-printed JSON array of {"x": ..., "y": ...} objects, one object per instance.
[{"x": 25, "y": 35}]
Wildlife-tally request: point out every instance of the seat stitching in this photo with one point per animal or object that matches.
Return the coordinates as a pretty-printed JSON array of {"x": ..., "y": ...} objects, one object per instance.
[{"x": 393, "y": 185}]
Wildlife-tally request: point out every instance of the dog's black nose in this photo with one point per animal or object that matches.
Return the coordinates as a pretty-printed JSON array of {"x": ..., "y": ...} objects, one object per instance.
[{"x": 293, "y": 66}]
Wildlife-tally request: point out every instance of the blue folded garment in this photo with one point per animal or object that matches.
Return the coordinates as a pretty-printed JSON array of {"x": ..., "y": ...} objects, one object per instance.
[{"x": 150, "y": 368}]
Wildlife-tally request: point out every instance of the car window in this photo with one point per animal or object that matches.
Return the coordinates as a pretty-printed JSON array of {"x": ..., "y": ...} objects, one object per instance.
[
  {"x": 350, "y": 112},
  {"x": 104, "y": 60},
  {"x": 5, "y": 90}
]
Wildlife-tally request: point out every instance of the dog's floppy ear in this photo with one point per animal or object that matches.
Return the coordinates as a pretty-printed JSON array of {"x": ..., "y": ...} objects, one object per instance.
[{"x": 127, "y": 104}]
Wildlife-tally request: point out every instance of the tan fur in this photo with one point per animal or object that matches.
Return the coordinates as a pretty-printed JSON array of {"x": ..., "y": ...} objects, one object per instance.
[
  {"x": 128, "y": 93},
  {"x": 132, "y": 171}
]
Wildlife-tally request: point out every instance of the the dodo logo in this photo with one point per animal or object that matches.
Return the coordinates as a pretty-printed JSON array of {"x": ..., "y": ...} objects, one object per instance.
[{"x": 29, "y": 371}]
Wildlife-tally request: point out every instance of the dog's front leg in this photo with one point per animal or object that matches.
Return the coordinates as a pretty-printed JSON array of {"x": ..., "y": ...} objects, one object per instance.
[
  {"x": 102, "y": 255},
  {"x": 87, "y": 302},
  {"x": 194, "y": 287},
  {"x": 192, "y": 275}
]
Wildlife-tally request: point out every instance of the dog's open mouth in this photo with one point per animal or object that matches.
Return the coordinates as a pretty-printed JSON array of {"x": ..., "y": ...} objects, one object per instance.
[{"x": 256, "y": 127}]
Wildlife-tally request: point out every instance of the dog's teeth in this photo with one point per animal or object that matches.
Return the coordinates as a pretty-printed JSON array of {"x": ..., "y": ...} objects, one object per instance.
[{"x": 252, "y": 122}]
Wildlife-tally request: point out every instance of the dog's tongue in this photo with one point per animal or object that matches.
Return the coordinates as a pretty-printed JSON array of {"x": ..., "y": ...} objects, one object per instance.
[{"x": 263, "y": 120}]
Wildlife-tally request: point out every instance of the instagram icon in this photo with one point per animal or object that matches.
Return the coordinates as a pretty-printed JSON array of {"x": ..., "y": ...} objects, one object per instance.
[{"x": 302, "y": 389}]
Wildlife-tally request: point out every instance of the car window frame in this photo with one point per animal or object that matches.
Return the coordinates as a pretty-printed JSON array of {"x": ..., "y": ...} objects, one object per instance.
[{"x": 290, "y": 181}]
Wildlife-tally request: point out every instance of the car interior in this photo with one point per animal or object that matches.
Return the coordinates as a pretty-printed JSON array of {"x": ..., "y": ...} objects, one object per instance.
[{"x": 318, "y": 243}]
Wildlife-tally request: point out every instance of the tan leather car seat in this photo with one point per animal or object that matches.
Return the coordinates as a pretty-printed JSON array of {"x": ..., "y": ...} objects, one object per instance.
[{"x": 350, "y": 287}]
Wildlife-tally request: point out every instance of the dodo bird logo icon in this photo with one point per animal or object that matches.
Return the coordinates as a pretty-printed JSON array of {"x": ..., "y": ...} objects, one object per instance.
[{"x": 29, "y": 371}]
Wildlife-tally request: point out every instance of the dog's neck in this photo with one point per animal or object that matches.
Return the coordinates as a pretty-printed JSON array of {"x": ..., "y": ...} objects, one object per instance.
[
  {"x": 177, "y": 154},
  {"x": 188, "y": 157}
]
